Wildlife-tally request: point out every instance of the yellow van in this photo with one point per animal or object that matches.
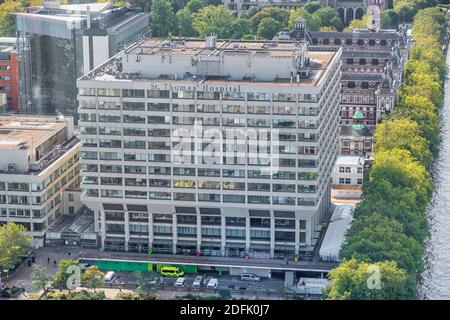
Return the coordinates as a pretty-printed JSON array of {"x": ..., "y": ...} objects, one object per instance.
[{"x": 169, "y": 271}]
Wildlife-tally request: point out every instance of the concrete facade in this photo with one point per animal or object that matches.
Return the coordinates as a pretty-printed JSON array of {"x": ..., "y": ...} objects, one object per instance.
[{"x": 142, "y": 197}]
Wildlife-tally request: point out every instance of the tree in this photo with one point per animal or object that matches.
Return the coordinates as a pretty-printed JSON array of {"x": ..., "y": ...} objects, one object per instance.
[
  {"x": 402, "y": 134},
  {"x": 375, "y": 238},
  {"x": 143, "y": 4},
  {"x": 40, "y": 279},
  {"x": 352, "y": 280},
  {"x": 162, "y": 18},
  {"x": 240, "y": 28},
  {"x": 62, "y": 275},
  {"x": 362, "y": 23},
  {"x": 146, "y": 281},
  {"x": 280, "y": 15},
  {"x": 195, "y": 5},
  {"x": 14, "y": 242},
  {"x": 420, "y": 109},
  {"x": 312, "y": 6},
  {"x": 214, "y": 20},
  {"x": 184, "y": 23},
  {"x": 7, "y": 19},
  {"x": 268, "y": 28},
  {"x": 399, "y": 168},
  {"x": 389, "y": 19},
  {"x": 93, "y": 278}
]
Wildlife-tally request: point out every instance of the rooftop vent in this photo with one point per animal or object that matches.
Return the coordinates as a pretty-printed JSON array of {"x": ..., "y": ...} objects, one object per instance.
[{"x": 210, "y": 42}]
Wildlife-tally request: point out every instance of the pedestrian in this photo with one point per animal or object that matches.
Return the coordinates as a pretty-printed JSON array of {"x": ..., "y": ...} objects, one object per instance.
[
  {"x": 68, "y": 253},
  {"x": 48, "y": 260},
  {"x": 54, "y": 263}
]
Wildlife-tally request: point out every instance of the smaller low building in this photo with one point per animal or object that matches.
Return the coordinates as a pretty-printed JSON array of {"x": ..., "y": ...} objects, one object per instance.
[
  {"x": 348, "y": 177},
  {"x": 73, "y": 230},
  {"x": 340, "y": 222},
  {"x": 39, "y": 160}
]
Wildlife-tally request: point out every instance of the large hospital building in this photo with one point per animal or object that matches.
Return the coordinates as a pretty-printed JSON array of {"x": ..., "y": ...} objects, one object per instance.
[{"x": 139, "y": 108}]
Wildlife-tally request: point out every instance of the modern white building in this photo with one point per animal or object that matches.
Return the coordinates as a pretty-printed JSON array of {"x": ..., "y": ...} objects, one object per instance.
[
  {"x": 348, "y": 177},
  {"x": 138, "y": 110},
  {"x": 39, "y": 159}
]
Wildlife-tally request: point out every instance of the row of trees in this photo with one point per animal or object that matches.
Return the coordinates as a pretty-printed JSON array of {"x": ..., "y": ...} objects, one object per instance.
[
  {"x": 200, "y": 18},
  {"x": 390, "y": 223},
  {"x": 404, "y": 11}
]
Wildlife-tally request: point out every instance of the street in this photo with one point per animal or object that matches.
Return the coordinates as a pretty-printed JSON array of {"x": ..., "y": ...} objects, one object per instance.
[{"x": 240, "y": 289}]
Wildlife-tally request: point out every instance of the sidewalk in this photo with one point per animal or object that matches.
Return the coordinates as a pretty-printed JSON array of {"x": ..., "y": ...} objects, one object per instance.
[{"x": 22, "y": 276}]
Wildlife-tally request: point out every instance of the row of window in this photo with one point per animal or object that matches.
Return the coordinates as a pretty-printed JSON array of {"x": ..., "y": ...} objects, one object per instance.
[
  {"x": 202, "y": 197},
  {"x": 188, "y": 232},
  {"x": 201, "y": 95},
  {"x": 230, "y": 159},
  {"x": 212, "y": 121},
  {"x": 201, "y": 172},
  {"x": 166, "y": 133},
  {"x": 206, "y": 220},
  {"x": 200, "y": 108},
  {"x": 201, "y": 184}
]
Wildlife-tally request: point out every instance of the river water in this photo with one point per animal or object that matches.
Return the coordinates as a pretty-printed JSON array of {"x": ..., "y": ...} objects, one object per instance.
[{"x": 435, "y": 283}]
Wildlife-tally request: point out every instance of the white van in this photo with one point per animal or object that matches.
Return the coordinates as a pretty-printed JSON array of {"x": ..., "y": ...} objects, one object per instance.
[
  {"x": 213, "y": 283},
  {"x": 197, "y": 282},
  {"x": 109, "y": 276},
  {"x": 181, "y": 282},
  {"x": 249, "y": 277}
]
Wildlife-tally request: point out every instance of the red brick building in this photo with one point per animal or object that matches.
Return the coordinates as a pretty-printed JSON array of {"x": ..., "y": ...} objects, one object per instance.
[{"x": 9, "y": 76}]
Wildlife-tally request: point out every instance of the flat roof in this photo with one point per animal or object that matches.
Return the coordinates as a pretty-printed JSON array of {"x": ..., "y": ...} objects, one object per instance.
[
  {"x": 197, "y": 47},
  {"x": 21, "y": 132},
  {"x": 350, "y": 160},
  {"x": 319, "y": 60}
]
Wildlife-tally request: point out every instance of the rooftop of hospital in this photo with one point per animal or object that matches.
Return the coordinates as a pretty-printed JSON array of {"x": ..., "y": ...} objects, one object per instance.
[{"x": 214, "y": 60}]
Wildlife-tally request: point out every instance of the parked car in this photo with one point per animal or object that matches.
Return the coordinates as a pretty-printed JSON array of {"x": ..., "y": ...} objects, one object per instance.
[
  {"x": 197, "y": 282},
  {"x": 213, "y": 283},
  {"x": 110, "y": 276},
  {"x": 250, "y": 277},
  {"x": 181, "y": 282},
  {"x": 169, "y": 271}
]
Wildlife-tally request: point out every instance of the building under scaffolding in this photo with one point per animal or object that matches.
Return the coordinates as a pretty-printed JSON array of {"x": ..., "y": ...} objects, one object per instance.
[{"x": 58, "y": 43}]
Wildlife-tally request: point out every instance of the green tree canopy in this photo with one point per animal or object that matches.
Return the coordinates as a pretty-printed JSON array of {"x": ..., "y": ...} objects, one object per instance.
[
  {"x": 40, "y": 279},
  {"x": 375, "y": 238},
  {"x": 195, "y": 5},
  {"x": 14, "y": 242},
  {"x": 268, "y": 28},
  {"x": 162, "y": 18},
  {"x": 402, "y": 134},
  {"x": 63, "y": 274},
  {"x": 184, "y": 23},
  {"x": 354, "y": 280},
  {"x": 93, "y": 278},
  {"x": 214, "y": 20},
  {"x": 7, "y": 19}
]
